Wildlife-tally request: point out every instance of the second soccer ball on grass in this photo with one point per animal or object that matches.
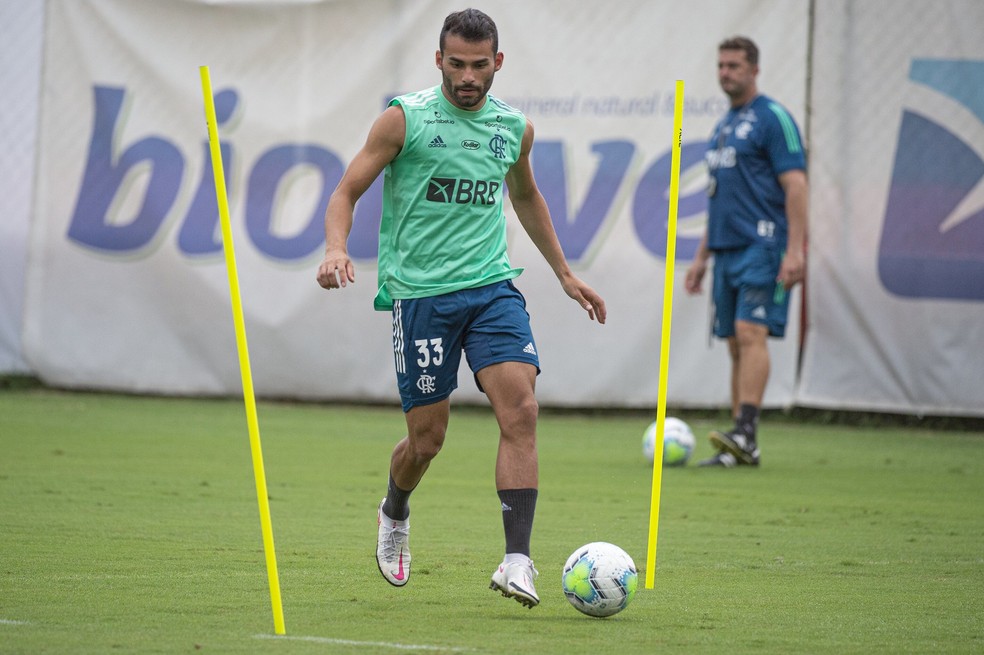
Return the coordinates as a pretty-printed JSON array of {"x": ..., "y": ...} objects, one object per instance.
[{"x": 678, "y": 442}]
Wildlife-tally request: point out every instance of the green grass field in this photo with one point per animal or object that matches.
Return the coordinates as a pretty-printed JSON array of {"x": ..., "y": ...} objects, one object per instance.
[{"x": 130, "y": 524}]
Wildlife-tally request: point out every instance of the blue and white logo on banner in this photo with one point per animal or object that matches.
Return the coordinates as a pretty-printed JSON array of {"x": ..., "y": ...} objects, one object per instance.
[{"x": 932, "y": 243}]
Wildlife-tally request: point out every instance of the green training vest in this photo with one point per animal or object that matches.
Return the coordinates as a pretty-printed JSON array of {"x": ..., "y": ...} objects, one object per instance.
[{"x": 442, "y": 227}]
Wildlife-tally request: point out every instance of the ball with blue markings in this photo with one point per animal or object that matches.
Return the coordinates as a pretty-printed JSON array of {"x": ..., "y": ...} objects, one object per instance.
[{"x": 600, "y": 579}]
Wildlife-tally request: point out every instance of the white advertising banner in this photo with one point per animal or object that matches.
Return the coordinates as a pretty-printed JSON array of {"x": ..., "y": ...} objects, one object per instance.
[
  {"x": 896, "y": 271},
  {"x": 127, "y": 286},
  {"x": 21, "y": 27}
]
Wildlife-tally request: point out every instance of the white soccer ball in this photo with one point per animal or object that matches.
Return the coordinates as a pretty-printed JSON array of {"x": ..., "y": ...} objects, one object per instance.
[
  {"x": 678, "y": 442},
  {"x": 600, "y": 579}
]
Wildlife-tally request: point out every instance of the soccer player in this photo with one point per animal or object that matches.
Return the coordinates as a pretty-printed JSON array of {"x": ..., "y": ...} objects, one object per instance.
[
  {"x": 444, "y": 272},
  {"x": 756, "y": 227}
]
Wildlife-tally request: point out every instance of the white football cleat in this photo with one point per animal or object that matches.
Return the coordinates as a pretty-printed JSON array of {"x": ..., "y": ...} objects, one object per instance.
[
  {"x": 515, "y": 580},
  {"x": 393, "y": 548}
]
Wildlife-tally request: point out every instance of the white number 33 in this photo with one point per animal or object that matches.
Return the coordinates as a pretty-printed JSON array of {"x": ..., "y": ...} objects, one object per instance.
[{"x": 425, "y": 347}]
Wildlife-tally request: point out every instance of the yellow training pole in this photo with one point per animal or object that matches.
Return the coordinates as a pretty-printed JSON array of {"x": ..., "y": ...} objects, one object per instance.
[
  {"x": 664, "y": 352},
  {"x": 237, "y": 317}
]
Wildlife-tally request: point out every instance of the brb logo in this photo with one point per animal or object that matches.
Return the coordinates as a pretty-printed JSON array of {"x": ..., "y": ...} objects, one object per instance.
[
  {"x": 932, "y": 243},
  {"x": 462, "y": 192}
]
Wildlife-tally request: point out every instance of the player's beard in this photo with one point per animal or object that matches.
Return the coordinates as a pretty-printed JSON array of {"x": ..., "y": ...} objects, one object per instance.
[{"x": 467, "y": 101}]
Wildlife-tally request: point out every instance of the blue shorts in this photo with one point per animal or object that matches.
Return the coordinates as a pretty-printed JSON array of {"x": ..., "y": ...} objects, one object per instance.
[
  {"x": 745, "y": 289},
  {"x": 489, "y": 323}
]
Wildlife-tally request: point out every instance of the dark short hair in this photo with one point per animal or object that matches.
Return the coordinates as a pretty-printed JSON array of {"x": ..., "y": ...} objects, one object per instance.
[
  {"x": 472, "y": 25},
  {"x": 744, "y": 44}
]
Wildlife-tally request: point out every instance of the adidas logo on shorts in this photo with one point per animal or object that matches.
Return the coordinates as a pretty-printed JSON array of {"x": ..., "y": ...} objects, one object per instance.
[{"x": 529, "y": 349}]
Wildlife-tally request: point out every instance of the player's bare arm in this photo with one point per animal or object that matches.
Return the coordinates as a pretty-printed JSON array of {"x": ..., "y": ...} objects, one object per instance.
[
  {"x": 383, "y": 144},
  {"x": 534, "y": 216},
  {"x": 793, "y": 268}
]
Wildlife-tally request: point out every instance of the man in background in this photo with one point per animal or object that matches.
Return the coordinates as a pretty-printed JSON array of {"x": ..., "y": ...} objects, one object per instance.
[{"x": 756, "y": 226}]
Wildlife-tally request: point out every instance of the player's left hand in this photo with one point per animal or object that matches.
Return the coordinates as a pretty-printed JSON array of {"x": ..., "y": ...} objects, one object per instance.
[
  {"x": 587, "y": 298},
  {"x": 792, "y": 270}
]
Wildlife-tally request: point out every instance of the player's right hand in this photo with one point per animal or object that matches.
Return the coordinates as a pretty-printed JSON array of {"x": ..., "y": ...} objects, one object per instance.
[
  {"x": 336, "y": 270},
  {"x": 695, "y": 274}
]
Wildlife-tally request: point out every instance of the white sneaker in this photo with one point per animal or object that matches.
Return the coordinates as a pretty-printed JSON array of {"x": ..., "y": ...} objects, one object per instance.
[
  {"x": 515, "y": 580},
  {"x": 393, "y": 548}
]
